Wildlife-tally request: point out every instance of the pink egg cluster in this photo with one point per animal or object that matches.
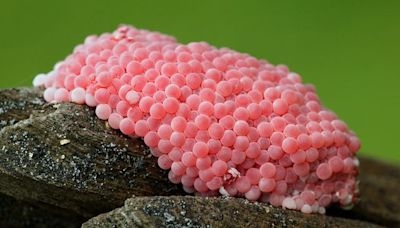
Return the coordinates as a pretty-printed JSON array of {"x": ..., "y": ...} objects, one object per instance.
[{"x": 220, "y": 121}]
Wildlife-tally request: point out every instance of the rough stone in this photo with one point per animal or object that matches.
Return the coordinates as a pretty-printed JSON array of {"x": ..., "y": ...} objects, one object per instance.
[
  {"x": 17, "y": 213},
  {"x": 60, "y": 165},
  {"x": 94, "y": 172},
  {"x": 188, "y": 211}
]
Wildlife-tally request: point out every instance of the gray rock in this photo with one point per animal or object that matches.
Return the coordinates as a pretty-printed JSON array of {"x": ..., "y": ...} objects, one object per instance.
[
  {"x": 62, "y": 155},
  {"x": 188, "y": 211},
  {"x": 17, "y": 213},
  {"x": 60, "y": 166},
  {"x": 378, "y": 206}
]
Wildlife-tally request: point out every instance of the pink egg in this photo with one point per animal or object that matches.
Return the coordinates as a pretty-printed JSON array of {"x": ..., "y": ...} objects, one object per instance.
[
  {"x": 200, "y": 149},
  {"x": 162, "y": 82},
  {"x": 61, "y": 95},
  {"x": 164, "y": 162},
  {"x": 200, "y": 185},
  {"x": 229, "y": 138},
  {"x": 301, "y": 169},
  {"x": 193, "y": 80},
  {"x": 127, "y": 126},
  {"x": 324, "y": 171},
  {"x": 215, "y": 183},
  {"x": 219, "y": 167},
  {"x": 242, "y": 143},
  {"x": 189, "y": 159},
  {"x": 114, "y": 120},
  {"x": 178, "y": 168},
  {"x": 265, "y": 129},
  {"x": 132, "y": 97},
  {"x": 90, "y": 100},
  {"x": 216, "y": 131},
  {"x": 241, "y": 127},
  {"x": 49, "y": 94},
  {"x": 202, "y": 121},
  {"x": 78, "y": 95},
  {"x": 253, "y": 194},
  {"x": 104, "y": 79},
  {"x": 255, "y": 111},
  {"x": 278, "y": 123},
  {"x": 298, "y": 157},
  {"x": 253, "y": 151},
  {"x": 241, "y": 114},
  {"x": 102, "y": 95},
  {"x": 267, "y": 184},
  {"x": 177, "y": 139},
  {"x": 225, "y": 154},
  {"x": 134, "y": 68},
  {"x": 206, "y": 108},
  {"x": 289, "y": 203},
  {"x": 203, "y": 163},
  {"x": 267, "y": 170},
  {"x": 238, "y": 157},
  {"x": 151, "y": 139},
  {"x": 206, "y": 175},
  {"x": 171, "y": 105},
  {"x": 165, "y": 146},
  {"x": 157, "y": 111},
  {"x": 253, "y": 175},
  {"x": 275, "y": 152},
  {"x": 193, "y": 101},
  {"x": 168, "y": 69},
  {"x": 103, "y": 111},
  {"x": 336, "y": 164},
  {"x": 289, "y": 145},
  {"x": 141, "y": 128},
  {"x": 304, "y": 141},
  {"x": 179, "y": 124},
  {"x": 224, "y": 88},
  {"x": 243, "y": 184}
]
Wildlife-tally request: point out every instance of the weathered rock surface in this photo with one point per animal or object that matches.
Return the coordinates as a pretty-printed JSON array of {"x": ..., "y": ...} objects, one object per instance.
[
  {"x": 17, "y": 213},
  {"x": 188, "y": 211},
  {"x": 62, "y": 155},
  {"x": 378, "y": 206},
  {"x": 60, "y": 166}
]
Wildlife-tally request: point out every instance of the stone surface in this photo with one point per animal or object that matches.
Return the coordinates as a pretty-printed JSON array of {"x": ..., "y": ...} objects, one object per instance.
[
  {"x": 187, "y": 211},
  {"x": 17, "y": 213},
  {"x": 60, "y": 166},
  {"x": 18, "y": 104},
  {"x": 62, "y": 155}
]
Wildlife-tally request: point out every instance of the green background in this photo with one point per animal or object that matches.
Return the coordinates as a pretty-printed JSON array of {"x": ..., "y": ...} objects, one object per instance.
[{"x": 348, "y": 49}]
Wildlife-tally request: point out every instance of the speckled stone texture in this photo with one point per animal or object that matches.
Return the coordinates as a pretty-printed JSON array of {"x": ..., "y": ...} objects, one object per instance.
[
  {"x": 64, "y": 156},
  {"x": 19, "y": 213},
  {"x": 49, "y": 178},
  {"x": 187, "y": 211}
]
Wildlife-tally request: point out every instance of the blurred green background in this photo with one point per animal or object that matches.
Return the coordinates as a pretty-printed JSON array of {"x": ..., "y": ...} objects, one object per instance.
[{"x": 348, "y": 49}]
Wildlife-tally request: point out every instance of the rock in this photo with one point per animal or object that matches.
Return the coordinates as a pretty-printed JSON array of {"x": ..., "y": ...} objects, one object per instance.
[
  {"x": 62, "y": 155},
  {"x": 61, "y": 166},
  {"x": 16, "y": 213},
  {"x": 188, "y": 211},
  {"x": 18, "y": 104}
]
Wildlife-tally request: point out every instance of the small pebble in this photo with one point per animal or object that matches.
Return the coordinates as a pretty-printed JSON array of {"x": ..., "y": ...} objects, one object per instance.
[{"x": 64, "y": 142}]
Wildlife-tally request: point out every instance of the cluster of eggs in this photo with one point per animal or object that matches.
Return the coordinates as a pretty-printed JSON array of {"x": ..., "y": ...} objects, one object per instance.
[{"x": 220, "y": 121}]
